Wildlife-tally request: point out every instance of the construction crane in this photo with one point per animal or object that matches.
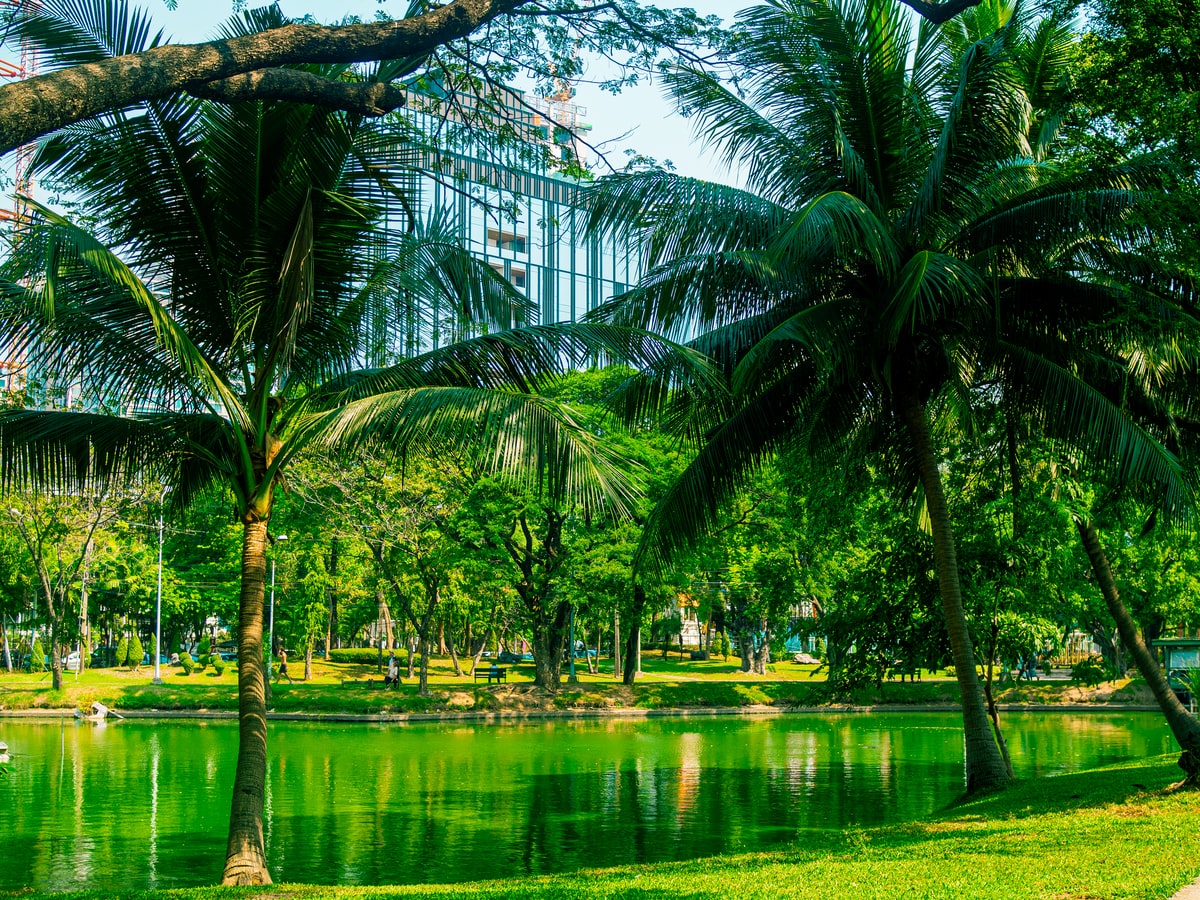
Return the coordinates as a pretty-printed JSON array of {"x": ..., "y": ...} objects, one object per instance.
[{"x": 12, "y": 368}]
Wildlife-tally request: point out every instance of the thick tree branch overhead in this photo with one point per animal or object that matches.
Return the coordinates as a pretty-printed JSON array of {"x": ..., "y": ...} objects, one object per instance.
[
  {"x": 37, "y": 106},
  {"x": 251, "y": 66},
  {"x": 369, "y": 98},
  {"x": 937, "y": 13}
]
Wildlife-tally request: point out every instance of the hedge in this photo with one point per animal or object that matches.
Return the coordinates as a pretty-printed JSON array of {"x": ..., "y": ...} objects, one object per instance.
[{"x": 364, "y": 655}]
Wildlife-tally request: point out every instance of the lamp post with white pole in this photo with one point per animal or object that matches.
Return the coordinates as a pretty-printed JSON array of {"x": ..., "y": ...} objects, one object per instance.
[{"x": 158, "y": 601}]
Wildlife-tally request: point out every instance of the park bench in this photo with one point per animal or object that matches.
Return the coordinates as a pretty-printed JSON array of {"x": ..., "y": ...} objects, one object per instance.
[
  {"x": 496, "y": 675},
  {"x": 366, "y": 682},
  {"x": 902, "y": 668}
]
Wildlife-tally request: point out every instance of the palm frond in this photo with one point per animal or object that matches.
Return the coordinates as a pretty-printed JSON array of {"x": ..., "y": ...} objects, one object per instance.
[
  {"x": 522, "y": 437},
  {"x": 69, "y": 33}
]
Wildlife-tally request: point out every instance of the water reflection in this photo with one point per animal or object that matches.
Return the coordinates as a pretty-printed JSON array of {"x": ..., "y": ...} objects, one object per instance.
[{"x": 144, "y": 804}]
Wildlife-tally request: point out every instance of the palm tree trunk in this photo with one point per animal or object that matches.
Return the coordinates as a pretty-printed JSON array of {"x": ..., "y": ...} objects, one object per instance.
[
  {"x": 245, "y": 857},
  {"x": 984, "y": 766},
  {"x": 1183, "y": 724}
]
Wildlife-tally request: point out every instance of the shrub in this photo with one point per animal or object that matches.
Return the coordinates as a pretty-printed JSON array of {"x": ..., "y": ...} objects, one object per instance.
[
  {"x": 202, "y": 663},
  {"x": 38, "y": 656},
  {"x": 136, "y": 652},
  {"x": 218, "y": 664},
  {"x": 1090, "y": 671},
  {"x": 721, "y": 644},
  {"x": 367, "y": 656},
  {"x": 186, "y": 661},
  {"x": 122, "y": 651},
  {"x": 205, "y": 646},
  {"x": 951, "y": 672}
]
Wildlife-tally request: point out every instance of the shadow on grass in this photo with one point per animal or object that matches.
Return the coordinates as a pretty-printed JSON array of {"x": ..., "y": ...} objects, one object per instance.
[{"x": 1078, "y": 790}]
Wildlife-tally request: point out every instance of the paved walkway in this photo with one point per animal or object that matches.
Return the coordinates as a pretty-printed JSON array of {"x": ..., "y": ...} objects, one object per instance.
[{"x": 1188, "y": 892}]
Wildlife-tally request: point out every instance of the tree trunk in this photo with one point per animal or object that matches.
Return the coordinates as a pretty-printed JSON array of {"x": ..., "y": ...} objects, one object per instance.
[
  {"x": 984, "y": 765},
  {"x": 549, "y": 641},
  {"x": 308, "y": 662},
  {"x": 423, "y": 680},
  {"x": 633, "y": 647},
  {"x": 1183, "y": 724},
  {"x": 245, "y": 857},
  {"x": 56, "y": 669},
  {"x": 424, "y": 640},
  {"x": 332, "y": 638},
  {"x": 616, "y": 642},
  {"x": 629, "y": 674},
  {"x": 449, "y": 632},
  {"x": 483, "y": 643},
  {"x": 745, "y": 651},
  {"x": 7, "y": 651}
]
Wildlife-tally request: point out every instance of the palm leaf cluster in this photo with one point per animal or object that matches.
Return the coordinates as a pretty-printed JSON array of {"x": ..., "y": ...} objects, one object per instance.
[
  {"x": 238, "y": 270},
  {"x": 907, "y": 227},
  {"x": 912, "y": 245}
]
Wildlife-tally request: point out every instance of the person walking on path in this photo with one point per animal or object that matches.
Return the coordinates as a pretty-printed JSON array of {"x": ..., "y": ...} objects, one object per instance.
[{"x": 283, "y": 672}]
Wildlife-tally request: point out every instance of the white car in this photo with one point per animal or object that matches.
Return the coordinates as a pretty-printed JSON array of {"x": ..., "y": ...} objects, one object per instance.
[{"x": 71, "y": 661}]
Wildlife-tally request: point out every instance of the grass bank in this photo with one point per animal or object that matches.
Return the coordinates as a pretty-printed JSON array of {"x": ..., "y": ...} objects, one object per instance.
[
  {"x": 665, "y": 684},
  {"x": 1108, "y": 834}
]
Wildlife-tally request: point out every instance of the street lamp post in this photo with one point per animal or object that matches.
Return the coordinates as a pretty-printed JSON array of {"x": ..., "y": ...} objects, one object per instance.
[{"x": 158, "y": 601}]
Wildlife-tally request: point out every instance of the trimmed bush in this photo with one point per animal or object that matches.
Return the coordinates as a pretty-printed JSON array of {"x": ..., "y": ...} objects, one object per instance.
[
  {"x": 218, "y": 664},
  {"x": 205, "y": 647},
  {"x": 136, "y": 652},
  {"x": 202, "y": 662},
  {"x": 367, "y": 656},
  {"x": 123, "y": 651},
  {"x": 721, "y": 645},
  {"x": 186, "y": 661},
  {"x": 38, "y": 656},
  {"x": 1090, "y": 671}
]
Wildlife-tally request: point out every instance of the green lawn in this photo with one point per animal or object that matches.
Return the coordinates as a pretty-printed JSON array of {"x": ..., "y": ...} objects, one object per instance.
[
  {"x": 664, "y": 684},
  {"x": 1100, "y": 835}
]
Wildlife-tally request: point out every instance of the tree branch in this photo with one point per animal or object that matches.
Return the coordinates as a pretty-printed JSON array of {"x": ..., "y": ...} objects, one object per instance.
[
  {"x": 45, "y": 103},
  {"x": 937, "y": 13},
  {"x": 367, "y": 98}
]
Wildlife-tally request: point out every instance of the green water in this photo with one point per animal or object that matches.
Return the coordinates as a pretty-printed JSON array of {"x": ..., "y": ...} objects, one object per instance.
[{"x": 145, "y": 804}]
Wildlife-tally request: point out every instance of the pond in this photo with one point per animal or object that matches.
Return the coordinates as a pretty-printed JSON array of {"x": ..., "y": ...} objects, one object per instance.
[{"x": 145, "y": 803}]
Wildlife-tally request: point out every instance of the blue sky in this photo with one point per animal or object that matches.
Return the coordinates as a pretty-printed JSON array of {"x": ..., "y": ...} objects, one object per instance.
[{"x": 653, "y": 127}]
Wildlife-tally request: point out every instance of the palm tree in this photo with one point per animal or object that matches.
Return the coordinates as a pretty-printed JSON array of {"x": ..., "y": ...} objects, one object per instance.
[
  {"x": 906, "y": 246},
  {"x": 215, "y": 316}
]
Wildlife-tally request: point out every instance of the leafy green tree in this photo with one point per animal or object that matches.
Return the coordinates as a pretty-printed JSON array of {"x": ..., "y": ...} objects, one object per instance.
[{"x": 897, "y": 242}]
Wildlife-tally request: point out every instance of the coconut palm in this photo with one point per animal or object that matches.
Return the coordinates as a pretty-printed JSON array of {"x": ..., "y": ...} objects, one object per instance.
[
  {"x": 214, "y": 313},
  {"x": 906, "y": 246}
]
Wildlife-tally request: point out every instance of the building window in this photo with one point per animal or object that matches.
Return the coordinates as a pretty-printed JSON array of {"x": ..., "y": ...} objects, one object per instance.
[
  {"x": 515, "y": 276},
  {"x": 506, "y": 240}
]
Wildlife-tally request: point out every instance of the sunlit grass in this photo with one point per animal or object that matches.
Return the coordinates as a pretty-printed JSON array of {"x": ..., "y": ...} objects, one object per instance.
[{"x": 662, "y": 684}]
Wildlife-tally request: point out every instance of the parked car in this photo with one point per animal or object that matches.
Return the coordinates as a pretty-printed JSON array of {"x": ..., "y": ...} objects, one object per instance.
[
  {"x": 507, "y": 656},
  {"x": 71, "y": 661},
  {"x": 104, "y": 657}
]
